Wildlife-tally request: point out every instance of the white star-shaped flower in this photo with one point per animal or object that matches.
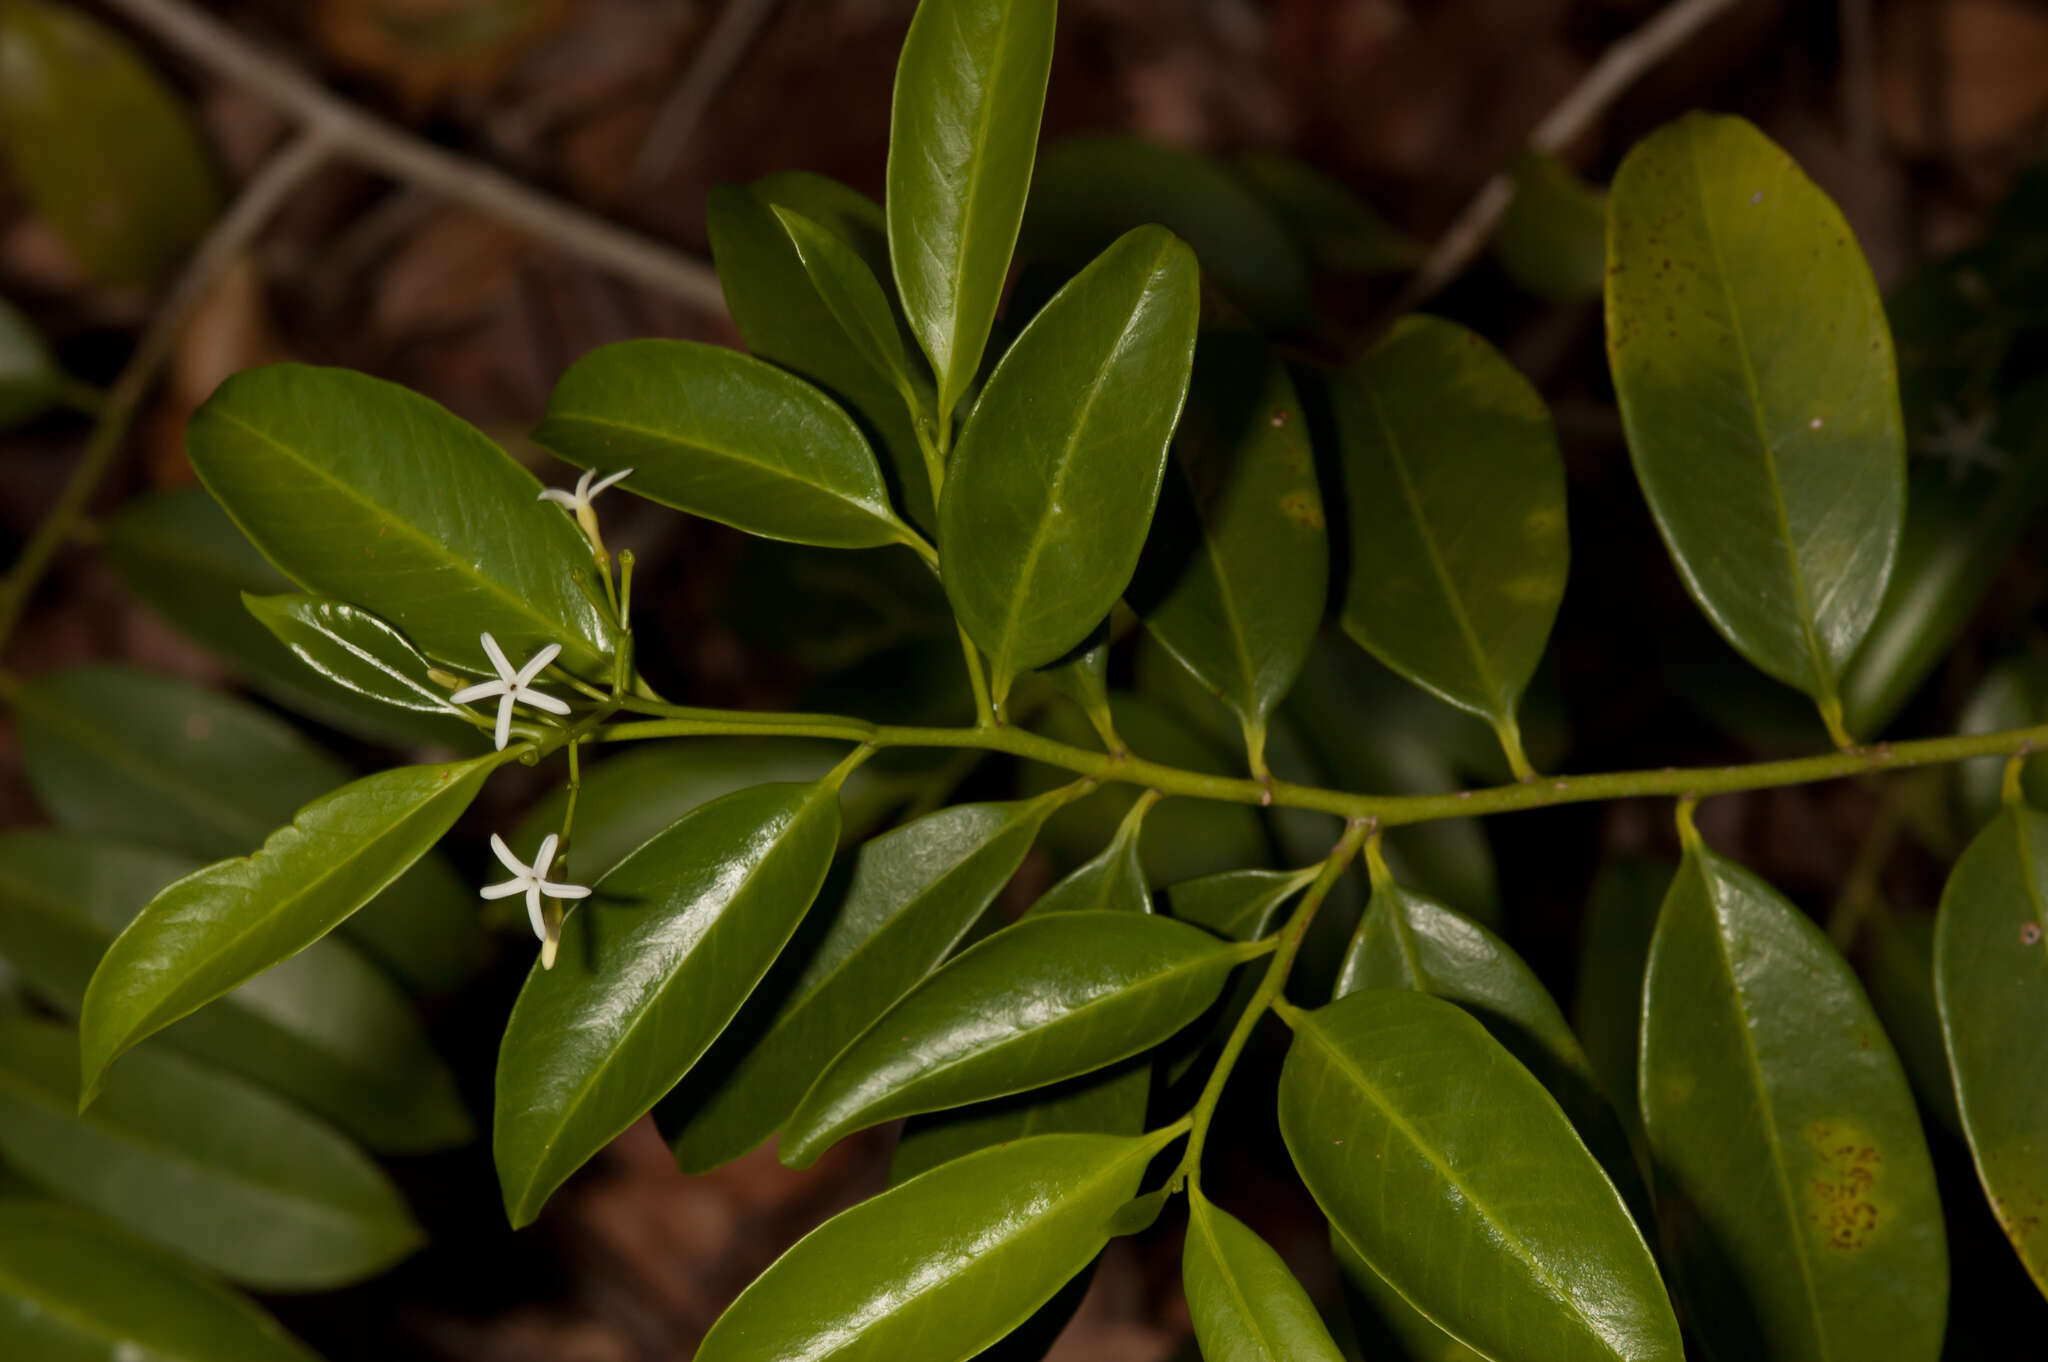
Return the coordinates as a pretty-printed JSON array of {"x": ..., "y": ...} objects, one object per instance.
[
  {"x": 532, "y": 881},
  {"x": 515, "y": 687},
  {"x": 577, "y": 503}
]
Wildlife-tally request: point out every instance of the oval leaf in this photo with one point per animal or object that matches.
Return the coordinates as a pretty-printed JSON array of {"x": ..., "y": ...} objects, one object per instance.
[
  {"x": 162, "y": 762},
  {"x": 1246, "y": 1305},
  {"x": 1991, "y": 984},
  {"x": 355, "y": 650},
  {"x": 103, "y": 149},
  {"x": 1754, "y": 369},
  {"x": 362, "y": 490},
  {"x": 782, "y": 318},
  {"x": 1058, "y": 469},
  {"x": 1109, "y": 1102},
  {"x": 1407, "y": 940},
  {"x": 184, "y": 558},
  {"x": 722, "y": 435},
  {"x": 1234, "y": 573},
  {"x": 912, "y": 897},
  {"x": 325, "y": 1028},
  {"x": 75, "y": 1289},
  {"x": 1614, "y": 951},
  {"x": 963, "y": 128},
  {"x": 1454, "y": 1176},
  {"x": 1046, "y": 999},
  {"x": 1794, "y": 1186},
  {"x": 942, "y": 1266},
  {"x": 855, "y": 298},
  {"x": 1553, "y": 238},
  {"x": 1457, "y": 516},
  {"x": 225, "y": 924},
  {"x": 211, "y": 1168},
  {"x": 653, "y": 966}
]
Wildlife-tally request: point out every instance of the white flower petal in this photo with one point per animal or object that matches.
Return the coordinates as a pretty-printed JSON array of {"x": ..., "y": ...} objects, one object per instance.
[
  {"x": 559, "y": 497},
  {"x": 506, "y": 858},
  {"x": 546, "y": 702},
  {"x": 545, "y": 857},
  {"x": 540, "y": 924},
  {"x": 609, "y": 479},
  {"x": 504, "y": 731},
  {"x": 482, "y": 690},
  {"x": 497, "y": 656},
  {"x": 565, "y": 891},
  {"x": 505, "y": 890},
  {"x": 536, "y": 664}
]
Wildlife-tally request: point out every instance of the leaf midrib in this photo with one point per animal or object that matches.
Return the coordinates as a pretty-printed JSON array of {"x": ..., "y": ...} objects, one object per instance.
[
  {"x": 1201, "y": 1223},
  {"x": 984, "y": 117},
  {"x": 1035, "y": 549},
  {"x": 1438, "y": 567},
  {"x": 1823, "y": 670},
  {"x": 1395, "y": 1120},
  {"x": 720, "y": 451},
  {"x": 1767, "y": 1111},
  {"x": 1150, "y": 984},
  {"x": 177, "y": 996},
  {"x": 434, "y": 549},
  {"x": 570, "y": 1109}
]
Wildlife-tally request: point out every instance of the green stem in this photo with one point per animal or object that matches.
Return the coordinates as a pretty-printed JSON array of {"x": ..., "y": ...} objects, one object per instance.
[
  {"x": 1275, "y": 979},
  {"x": 984, "y": 712},
  {"x": 1695, "y": 782}
]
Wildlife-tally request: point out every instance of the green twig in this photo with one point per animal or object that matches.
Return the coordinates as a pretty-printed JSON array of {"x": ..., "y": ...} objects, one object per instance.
[
  {"x": 1274, "y": 980},
  {"x": 1388, "y": 810}
]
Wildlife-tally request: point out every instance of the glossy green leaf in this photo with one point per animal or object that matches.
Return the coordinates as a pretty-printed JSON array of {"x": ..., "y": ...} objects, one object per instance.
[
  {"x": 1408, "y": 940},
  {"x": 913, "y": 895},
  {"x": 630, "y": 798},
  {"x": 1235, "y": 570},
  {"x": 1088, "y": 191},
  {"x": 1242, "y": 905},
  {"x": 1058, "y": 469},
  {"x": 1898, "y": 969},
  {"x": 225, "y": 924},
  {"x": 73, "y": 1289},
  {"x": 1109, "y": 1102},
  {"x": 1754, "y": 370},
  {"x": 1341, "y": 232},
  {"x": 1457, "y": 516},
  {"x": 1246, "y": 1305},
  {"x": 355, "y": 650},
  {"x": 856, "y": 300},
  {"x": 1614, "y": 951},
  {"x": 1991, "y": 982},
  {"x": 942, "y": 1266},
  {"x": 1794, "y": 1189},
  {"x": 722, "y": 435},
  {"x": 782, "y": 318},
  {"x": 1962, "y": 525},
  {"x": 652, "y": 967},
  {"x": 1389, "y": 1328},
  {"x": 963, "y": 129},
  {"x": 362, "y": 490},
  {"x": 830, "y": 610},
  {"x": 1454, "y": 1176},
  {"x": 1049, "y": 998},
  {"x": 162, "y": 762},
  {"x": 102, "y": 148},
  {"x": 215, "y": 1170},
  {"x": 1553, "y": 238},
  {"x": 181, "y": 555},
  {"x": 29, "y": 376},
  {"x": 325, "y": 1028}
]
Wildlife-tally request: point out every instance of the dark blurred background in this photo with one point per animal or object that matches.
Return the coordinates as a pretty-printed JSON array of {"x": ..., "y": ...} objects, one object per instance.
[{"x": 1916, "y": 115}]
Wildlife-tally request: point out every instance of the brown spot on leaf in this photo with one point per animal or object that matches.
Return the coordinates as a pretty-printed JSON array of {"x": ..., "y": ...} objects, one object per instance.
[
  {"x": 1303, "y": 509},
  {"x": 1842, "y": 1193}
]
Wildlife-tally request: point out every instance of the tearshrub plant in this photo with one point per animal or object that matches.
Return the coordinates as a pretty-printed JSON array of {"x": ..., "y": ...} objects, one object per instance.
[{"x": 811, "y": 953}]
